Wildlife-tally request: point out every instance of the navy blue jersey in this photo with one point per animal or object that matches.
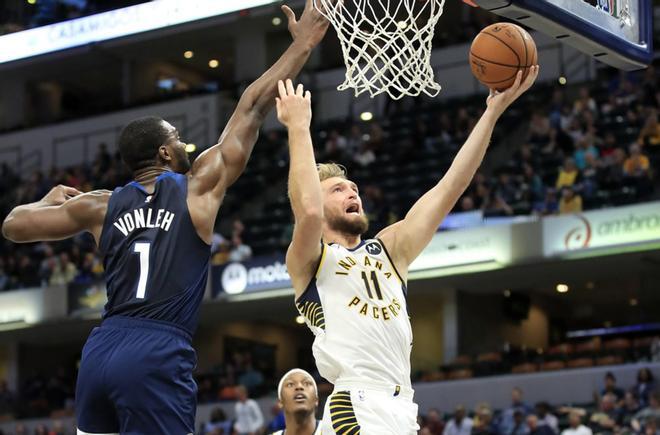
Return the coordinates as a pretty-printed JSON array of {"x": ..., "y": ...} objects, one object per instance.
[{"x": 156, "y": 265}]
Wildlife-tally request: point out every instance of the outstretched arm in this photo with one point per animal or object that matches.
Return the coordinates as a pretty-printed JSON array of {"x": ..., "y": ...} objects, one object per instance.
[
  {"x": 408, "y": 238},
  {"x": 62, "y": 213},
  {"x": 295, "y": 112},
  {"x": 219, "y": 166}
]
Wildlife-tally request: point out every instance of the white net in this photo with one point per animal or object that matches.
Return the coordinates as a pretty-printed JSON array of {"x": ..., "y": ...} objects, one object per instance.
[{"x": 386, "y": 44}]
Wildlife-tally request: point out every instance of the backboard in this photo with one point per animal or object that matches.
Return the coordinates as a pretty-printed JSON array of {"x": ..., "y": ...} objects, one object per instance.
[{"x": 616, "y": 32}]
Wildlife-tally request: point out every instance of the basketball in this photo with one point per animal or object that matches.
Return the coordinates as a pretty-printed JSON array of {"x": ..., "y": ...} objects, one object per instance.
[{"x": 498, "y": 52}]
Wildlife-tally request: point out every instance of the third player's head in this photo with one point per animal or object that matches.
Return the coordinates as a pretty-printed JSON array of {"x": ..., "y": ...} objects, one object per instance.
[
  {"x": 298, "y": 394},
  {"x": 153, "y": 142},
  {"x": 342, "y": 206}
]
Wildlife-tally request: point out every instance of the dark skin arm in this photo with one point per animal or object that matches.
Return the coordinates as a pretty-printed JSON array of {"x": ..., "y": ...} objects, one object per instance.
[
  {"x": 65, "y": 211},
  {"x": 218, "y": 167},
  {"x": 62, "y": 213}
]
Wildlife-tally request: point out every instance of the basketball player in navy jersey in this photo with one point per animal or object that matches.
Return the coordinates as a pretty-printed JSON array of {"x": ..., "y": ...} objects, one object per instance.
[
  {"x": 135, "y": 375},
  {"x": 351, "y": 291}
]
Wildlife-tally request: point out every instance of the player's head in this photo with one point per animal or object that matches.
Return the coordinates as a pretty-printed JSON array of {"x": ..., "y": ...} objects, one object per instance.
[
  {"x": 297, "y": 393},
  {"x": 152, "y": 141},
  {"x": 342, "y": 206}
]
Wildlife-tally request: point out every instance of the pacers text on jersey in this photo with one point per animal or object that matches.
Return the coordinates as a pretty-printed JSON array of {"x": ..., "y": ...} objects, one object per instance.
[{"x": 144, "y": 218}]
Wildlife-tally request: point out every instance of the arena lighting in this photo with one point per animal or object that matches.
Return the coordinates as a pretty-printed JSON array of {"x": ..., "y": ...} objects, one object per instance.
[
  {"x": 188, "y": 54},
  {"x": 633, "y": 302},
  {"x": 562, "y": 288},
  {"x": 277, "y": 21},
  {"x": 32, "y": 1},
  {"x": 562, "y": 80},
  {"x": 300, "y": 320},
  {"x": 191, "y": 147},
  {"x": 115, "y": 24},
  {"x": 366, "y": 116},
  {"x": 507, "y": 293},
  {"x": 213, "y": 63}
]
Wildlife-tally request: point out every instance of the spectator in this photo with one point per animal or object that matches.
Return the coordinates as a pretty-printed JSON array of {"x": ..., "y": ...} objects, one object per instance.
[
  {"x": 249, "y": 419},
  {"x": 467, "y": 204},
  {"x": 545, "y": 417},
  {"x": 575, "y": 425},
  {"x": 585, "y": 103},
  {"x": 585, "y": 147},
  {"x": 483, "y": 423},
  {"x": 549, "y": 205},
  {"x": 645, "y": 385},
  {"x": 649, "y": 136},
  {"x": 606, "y": 419},
  {"x": 568, "y": 174},
  {"x": 251, "y": 379},
  {"x": 630, "y": 407},
  {"x": 218, "y": 423},
  {"x": 611, "y": 388},
  {"x": 652, "y": 411},
  {"x": 637, "y": 165},
  {"x": 570, "y": 201},
  {"x": 434, "y": 422},
  {"x": 64, "y": 271},
  {"x": 519, "y": 425},
  {"x": 590, "y": 176},
  {"x": 459, "y": 424},
  {"x": 508, "y": 421},
  {"x": 533, "y": 183},
  {"x": 335, "y": 146},
  {"x": 239, "y": 251},
  {"x": 614, "y": 174},
  {"x": 538, "y": 429},
  {"x": 365, "y": 156}
]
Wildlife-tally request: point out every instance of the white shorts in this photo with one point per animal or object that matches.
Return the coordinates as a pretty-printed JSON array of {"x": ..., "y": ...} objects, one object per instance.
[{"x": 367, "y": 409}]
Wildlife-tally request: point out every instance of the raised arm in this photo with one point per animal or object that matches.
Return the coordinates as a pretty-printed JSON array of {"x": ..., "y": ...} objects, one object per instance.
[
  {"x": 295, "y": 112},
  {"x": 62, "y": 213},
  {"x": 219, "y": 166},
  {"x": 406, "y": 239}
]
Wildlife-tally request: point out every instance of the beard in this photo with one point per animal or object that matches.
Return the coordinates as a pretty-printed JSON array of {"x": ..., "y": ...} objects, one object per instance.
[
  {"x": 182, "y": 164},
  {"x": 353, "y": 227}
]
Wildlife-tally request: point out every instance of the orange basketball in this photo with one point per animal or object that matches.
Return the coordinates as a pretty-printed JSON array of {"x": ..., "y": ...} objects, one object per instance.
[{"x": 499, "y": 51}]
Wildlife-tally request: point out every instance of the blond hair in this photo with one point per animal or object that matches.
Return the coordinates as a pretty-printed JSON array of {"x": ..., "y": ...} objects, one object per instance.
[{"x": 330, "y": 170}]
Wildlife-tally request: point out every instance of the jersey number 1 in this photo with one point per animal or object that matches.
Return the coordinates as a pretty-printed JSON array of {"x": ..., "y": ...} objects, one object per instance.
[{"x": 142, "y": 249}]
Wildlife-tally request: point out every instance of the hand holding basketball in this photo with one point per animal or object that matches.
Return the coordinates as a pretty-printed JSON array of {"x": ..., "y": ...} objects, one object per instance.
[
  {"x": 499, "y": 51},
  {"x": 499, "y": 101},
  {"x": 294, "y": 106}
]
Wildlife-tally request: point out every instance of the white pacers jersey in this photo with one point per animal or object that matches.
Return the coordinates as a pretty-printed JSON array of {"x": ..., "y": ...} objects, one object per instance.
[{"x": 356, "y": 308}]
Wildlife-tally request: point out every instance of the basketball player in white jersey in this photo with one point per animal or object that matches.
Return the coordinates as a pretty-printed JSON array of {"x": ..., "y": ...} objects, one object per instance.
[
  {"x": 352, "y": 292},
  {"x": 299, "y": 398}
]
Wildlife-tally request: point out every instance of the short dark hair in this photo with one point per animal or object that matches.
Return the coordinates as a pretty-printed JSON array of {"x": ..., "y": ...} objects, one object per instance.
[
  {"x": 610, "y": 375},
  {"x": 139, "y": 141}
]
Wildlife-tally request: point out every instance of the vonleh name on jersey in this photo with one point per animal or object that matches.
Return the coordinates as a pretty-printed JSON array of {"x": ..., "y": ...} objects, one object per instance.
[{"x": 144, "y": 218}]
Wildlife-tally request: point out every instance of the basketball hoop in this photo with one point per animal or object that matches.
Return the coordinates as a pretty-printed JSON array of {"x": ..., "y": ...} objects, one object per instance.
[{"x": 386, "y": 44}]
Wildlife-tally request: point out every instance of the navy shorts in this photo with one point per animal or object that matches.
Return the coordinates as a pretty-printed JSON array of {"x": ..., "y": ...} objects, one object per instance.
[{"x": 135, "y": 377}]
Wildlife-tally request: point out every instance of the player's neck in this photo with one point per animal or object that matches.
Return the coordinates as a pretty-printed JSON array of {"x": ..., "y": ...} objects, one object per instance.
[
  {"x": 300, "y": 424},
  {"x": 349, "y": 241},
  {"x": 147, "y": 176}
]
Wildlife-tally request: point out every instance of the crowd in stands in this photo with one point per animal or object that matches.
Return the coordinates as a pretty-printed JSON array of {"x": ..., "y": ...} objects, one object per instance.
[
  {"x": 600, "y": 148},
  {"x": 635, "y": 410}
]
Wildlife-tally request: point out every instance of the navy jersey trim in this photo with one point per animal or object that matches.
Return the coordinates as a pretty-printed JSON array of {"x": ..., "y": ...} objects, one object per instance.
[
  {"x": 403, "y": 282},
  {"x": 361, "y": 244},
  {"x": 317, "y": 269}
]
